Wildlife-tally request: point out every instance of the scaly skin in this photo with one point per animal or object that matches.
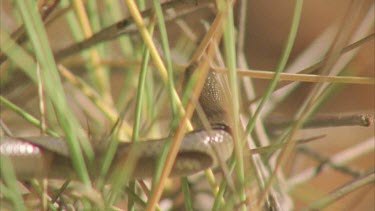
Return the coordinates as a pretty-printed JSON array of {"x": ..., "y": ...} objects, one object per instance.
[{"x": 48, "y": 157}]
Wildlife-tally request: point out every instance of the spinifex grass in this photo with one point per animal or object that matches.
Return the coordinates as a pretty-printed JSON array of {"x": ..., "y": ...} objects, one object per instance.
[{"x": 147, "y": 102}]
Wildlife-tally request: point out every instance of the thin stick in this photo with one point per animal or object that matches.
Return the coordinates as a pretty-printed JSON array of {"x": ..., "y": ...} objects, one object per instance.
[
  {"x": 126, "y": 26},
  {"x": 365, "y": 120},
  {"x": 301, "y": 77},
  {"x": 344, "y": 50},
  {"x": 20, "y": 35},
  {"x": 203, "y": 67},
  {"x": 99, "y": 74},
  {"x": 324, "y": 160},
  {"x": 136, "y": 15},
  {"x": 340, "y": 158}
]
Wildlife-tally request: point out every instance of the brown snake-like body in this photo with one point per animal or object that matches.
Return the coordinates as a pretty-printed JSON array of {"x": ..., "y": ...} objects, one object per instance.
[{"x": 44, "y": 156}]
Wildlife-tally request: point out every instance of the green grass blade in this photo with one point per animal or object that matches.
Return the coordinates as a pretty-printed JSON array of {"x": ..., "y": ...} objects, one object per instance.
[
  {"x": 28, "y": 117},
  {"x": 281, "y": 64},
  {"x": 167, "y": 54},
  {"x": 11, "y": 189},
  {"x": 53, "y": 86},
  {"x": 15, "y": 52}
]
